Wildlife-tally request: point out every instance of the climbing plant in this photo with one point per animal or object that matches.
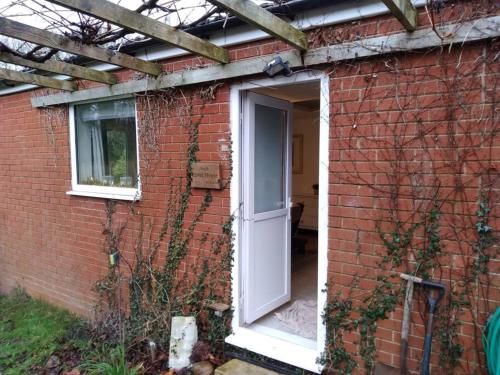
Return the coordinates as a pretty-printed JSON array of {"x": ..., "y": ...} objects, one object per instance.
[
  {"x": 177, "y": 268},
  {"x": 338, "y": 320},
  {"x": 427, "y": 162}
]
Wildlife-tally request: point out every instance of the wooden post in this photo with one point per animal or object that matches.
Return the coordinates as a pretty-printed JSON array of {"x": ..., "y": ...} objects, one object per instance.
[
  {"x": 60, "y": 67},
  {"x": 131, "y": 20},
  {"x": 404, "y": 11},
  {"x": 35, "y": 79},
  {"x": 265, "y": 20},
  {"x": 46, "y": 38},
  {"x": 465, "y": 32}
]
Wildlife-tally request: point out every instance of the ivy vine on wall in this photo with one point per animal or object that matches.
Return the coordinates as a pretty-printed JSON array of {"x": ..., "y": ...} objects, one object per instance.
[
  {"x": 434, "y": 193},
  {"x": 163, "y": 279}
]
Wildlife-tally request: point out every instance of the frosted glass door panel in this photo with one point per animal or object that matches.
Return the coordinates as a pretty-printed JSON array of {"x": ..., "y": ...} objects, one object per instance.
[
  {"x": 266, "y": 205},
  {"x": 270, "y": 168}
]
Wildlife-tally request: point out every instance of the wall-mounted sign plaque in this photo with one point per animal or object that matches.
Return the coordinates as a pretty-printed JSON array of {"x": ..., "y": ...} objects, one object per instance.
[{"x": 207, "y": 175}]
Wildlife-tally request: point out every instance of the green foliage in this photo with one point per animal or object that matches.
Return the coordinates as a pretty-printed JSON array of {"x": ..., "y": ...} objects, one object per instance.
[
  {"x": 386, "y": 296},
  {"x": 397, "y": 243},
  {"x": 425, "y": 200},
  {"x": 427, "y": 255},
  {"x": 153, "y": 289},
  {"x": 107, "y": 360},
  {"x": 448, "y": 328},
  {"x": 459, "y": 298},
  {"x": 376, "y": 306},
  {"x": 157, "y": 290},
  {"x": 337, "y": 318},
  {"x": 427, "y": 258},
  {"x": 32, "y": 330},
  {"x": 217, "y": 329},
  {"x": 402, "y": 239},
  {"x": 117, "y": 153},
  {"x": 485, "y": 239}
]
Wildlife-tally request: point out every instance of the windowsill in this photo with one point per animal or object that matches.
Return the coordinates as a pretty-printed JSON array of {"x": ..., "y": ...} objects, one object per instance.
[{"x": 106, "y": 195}]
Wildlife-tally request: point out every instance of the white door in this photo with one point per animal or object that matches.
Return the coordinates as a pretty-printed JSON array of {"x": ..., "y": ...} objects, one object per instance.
[{"x": 266, "y": 206}]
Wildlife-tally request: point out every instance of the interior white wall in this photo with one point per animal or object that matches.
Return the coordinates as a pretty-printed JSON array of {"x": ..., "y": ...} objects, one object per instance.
[{"x": 306, "y": 123}]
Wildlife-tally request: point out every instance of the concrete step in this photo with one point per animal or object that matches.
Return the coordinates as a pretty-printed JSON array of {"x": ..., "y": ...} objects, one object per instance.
[{"x": 237, "y": 367}]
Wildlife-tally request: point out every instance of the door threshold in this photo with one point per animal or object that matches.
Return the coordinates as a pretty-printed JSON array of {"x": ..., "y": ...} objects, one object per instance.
[
  {"x": 276, "y": 348},
  {"x": 290, "y": 337}
]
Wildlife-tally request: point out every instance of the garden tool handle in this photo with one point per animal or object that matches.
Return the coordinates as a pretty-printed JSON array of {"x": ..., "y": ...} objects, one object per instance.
[
  {"x": 405, "y": 327},
  {"x": 403, "y": 353},
  {"x": 434, "y": 285},
  {"x": 432, "y": 302},
  {"x": 427, "y": 345}
]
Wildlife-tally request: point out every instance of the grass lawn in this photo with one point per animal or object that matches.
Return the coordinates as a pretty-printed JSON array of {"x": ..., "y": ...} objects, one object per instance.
[{"x": 31, "y": 331}]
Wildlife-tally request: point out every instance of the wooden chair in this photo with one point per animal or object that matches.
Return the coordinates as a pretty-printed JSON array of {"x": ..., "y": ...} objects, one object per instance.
[{"x": 298, "y": 243}]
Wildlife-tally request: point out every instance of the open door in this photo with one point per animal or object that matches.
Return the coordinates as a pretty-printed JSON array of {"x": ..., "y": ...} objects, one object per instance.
[{"x": 267, "y": 202}]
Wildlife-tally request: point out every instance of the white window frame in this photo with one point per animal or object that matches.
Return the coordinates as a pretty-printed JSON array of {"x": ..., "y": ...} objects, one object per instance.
[{"x": 109, "y": 192}]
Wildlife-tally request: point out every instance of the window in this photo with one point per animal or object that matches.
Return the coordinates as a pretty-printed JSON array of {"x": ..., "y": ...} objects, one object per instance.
[{"x": 104, "y": 149}]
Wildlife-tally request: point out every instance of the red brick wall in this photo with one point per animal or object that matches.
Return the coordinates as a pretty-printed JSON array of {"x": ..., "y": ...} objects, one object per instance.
[
  {"x": 52, "y": 243},
  {"x": 441, "y": 108}
]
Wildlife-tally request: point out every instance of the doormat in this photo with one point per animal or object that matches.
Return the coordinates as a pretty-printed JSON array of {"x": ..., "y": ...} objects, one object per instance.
[{"x": 300, "y": 318}]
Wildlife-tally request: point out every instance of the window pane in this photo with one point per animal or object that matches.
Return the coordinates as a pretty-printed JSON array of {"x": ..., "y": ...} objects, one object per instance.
[
  {"x": 270, "y": 137},
  {"x": 106, "y": 145}
]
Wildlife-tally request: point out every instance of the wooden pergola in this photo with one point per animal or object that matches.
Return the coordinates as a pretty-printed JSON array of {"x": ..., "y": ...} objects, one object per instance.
[{"x": 104, "y": 10}]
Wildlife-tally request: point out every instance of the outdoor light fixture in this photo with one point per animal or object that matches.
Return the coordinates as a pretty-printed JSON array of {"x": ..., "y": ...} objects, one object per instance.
[{"x": 277, "y": 66}]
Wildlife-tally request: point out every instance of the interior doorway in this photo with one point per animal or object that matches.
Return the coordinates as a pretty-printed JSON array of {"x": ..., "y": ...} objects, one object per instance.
[
  {"x": 293, "y": 316},
  {"x": 279, "y": 192}
]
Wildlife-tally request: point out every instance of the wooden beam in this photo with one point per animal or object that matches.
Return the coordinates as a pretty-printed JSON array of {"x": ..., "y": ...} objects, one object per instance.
[
  {"x": 46, "y": 38},
  {"x": 404, "y": 11},
  {"x": 265, "y": 20},
  {"x": 131, "y": 20},
  {"x": 60, "y": 67},
  {"x": 35, "y": 79},
  {"x": 480, "y": 29}
]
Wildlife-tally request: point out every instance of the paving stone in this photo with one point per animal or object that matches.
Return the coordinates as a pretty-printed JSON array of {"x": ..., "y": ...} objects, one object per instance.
[{"x": 237, "y": 367}]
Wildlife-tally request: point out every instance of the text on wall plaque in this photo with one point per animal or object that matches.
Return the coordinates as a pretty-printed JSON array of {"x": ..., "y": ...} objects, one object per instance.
[{"x": 206, "y": 175}]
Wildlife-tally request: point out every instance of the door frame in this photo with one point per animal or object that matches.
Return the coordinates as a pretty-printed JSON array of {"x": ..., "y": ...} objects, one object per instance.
[{"x": 300, "y": 355}]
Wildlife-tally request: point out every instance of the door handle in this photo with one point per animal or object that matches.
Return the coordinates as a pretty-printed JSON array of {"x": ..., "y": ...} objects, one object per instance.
[{"x": 289, "y": 209}]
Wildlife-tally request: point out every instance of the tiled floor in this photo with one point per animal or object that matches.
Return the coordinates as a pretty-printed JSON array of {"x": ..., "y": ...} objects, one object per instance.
[{"x": 304, "y": 283}]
